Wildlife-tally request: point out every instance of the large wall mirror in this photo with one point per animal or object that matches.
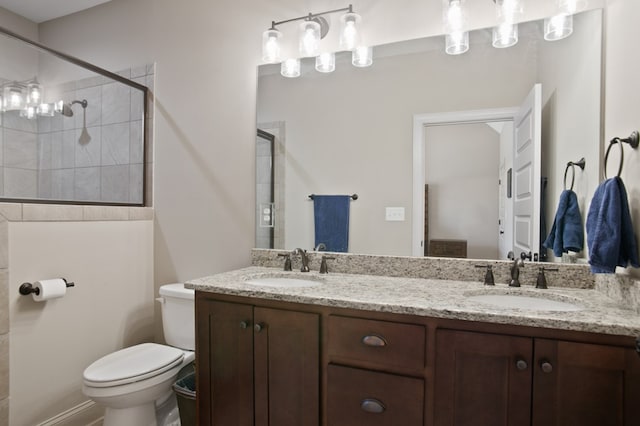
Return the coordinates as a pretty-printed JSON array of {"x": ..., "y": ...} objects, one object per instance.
[
  {"x": 352, "y": 131},
  {"x": 70, "y": 132}
]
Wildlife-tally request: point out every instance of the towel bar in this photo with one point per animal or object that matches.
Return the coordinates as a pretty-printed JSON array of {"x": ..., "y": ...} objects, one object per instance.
[
  {"x": 571, "y": 164},
  {"x": 632, "y": 140},
  {"x": 353, "y": 197}
]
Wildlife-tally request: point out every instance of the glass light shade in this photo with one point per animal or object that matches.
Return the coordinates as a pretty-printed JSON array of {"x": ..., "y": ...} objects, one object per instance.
[
  {"x": 14, "y": 97},
  {"x": 46, "y": 110},
  {"x": 453, "y": 17},
  {"x": 34, "y": 94},
  {"x": 290, "y": 68},
  {"x": 558, "y": 27},
  {"x": 349, "y": 34},
  {"x": 457, "y": 43},
  {"x": 58, "y": 106},
  {"x": 326, "y": 62},
  {"x": 362, "y": 57},
  {"x": 509, "y": 10},
  {"x": 309, "y": 42},
  {"x": 271, "y": 46},
  {"x": 505, "y": 35}
]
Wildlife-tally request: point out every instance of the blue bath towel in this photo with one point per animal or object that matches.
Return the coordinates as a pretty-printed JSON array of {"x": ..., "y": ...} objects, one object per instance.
[
  {"x": 331, "y": 216},
  {"x": 566, "y": 233},
  {"x": 610, "y": 235}
]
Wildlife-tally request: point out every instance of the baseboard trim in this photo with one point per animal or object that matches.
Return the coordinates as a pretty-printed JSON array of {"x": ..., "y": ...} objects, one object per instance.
[{"x": 85, "y": 413}]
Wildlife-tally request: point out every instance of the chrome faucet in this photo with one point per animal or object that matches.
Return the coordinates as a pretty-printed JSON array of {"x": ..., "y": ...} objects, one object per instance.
[
  {"x": 303, "y": 258},
  {"x": 515, "y": 271}
]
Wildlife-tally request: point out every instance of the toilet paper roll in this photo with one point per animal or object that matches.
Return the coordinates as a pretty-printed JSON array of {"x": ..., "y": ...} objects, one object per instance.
[{"x": 49, "y": 289}]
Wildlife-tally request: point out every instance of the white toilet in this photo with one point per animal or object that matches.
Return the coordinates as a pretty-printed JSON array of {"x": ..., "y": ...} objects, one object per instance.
[{"x": 132, "y": 381}]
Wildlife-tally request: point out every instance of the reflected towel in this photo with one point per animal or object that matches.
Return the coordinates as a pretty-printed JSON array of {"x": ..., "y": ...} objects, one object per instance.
[
  {"x": 610, "y": 235},
  {"x": 566, "y": 232},
  {"x": 331, "y": 216}
]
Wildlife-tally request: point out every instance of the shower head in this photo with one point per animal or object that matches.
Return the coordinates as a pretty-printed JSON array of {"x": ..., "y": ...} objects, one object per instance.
[{"x": 66, "y": 108}]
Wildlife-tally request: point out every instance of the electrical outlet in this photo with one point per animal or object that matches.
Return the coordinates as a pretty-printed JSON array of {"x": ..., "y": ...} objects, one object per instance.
[{"x": 394, "y": 214}]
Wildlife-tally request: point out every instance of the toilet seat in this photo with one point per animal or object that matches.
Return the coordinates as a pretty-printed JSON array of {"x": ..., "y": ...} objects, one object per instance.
[{"x": 132, "y": 364}]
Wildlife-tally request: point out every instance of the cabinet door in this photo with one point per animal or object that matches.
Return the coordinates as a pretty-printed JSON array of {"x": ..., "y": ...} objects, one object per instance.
[
  {"x": 482, "y": 379},
  {"x": 287, "y": 365},
  {"x": 224, "y": 356},
  {"x": 585, "y": 385}
]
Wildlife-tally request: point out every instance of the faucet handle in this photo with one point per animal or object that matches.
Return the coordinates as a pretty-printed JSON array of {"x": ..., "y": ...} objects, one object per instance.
[
  {"x": 541, "y": 282},
  {"x": 488, "y": 276},
  {"x": 287, "y": 260},
  {"x": 323, "y": 264},
  {"x": 525, "y": 256}
]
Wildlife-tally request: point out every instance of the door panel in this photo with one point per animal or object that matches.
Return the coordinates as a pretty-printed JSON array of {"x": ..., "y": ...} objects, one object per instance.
[{"x": 526, "y": 160}]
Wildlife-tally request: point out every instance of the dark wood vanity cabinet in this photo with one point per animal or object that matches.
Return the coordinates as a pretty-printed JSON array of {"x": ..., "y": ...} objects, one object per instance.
[
  {"x": 271, "y": 363},
  {"x": 486, "y": 379},
  {"x": 256, "y": 365}
]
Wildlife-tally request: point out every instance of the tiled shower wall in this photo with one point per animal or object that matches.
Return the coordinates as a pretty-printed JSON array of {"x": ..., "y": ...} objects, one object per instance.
[{"x": 54, "y": 158}]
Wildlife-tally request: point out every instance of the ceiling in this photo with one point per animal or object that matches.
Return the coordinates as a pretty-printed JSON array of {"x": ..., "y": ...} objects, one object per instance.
[{"x": 44, "y": 10}]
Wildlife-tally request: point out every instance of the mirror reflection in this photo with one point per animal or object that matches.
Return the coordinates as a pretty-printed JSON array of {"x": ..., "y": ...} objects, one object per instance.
[
  {"x": 68, "y": 133},
  {"x": 351, "y": 131}
]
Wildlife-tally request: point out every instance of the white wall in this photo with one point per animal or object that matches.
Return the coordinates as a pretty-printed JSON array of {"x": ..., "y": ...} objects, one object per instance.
[
  {"x": 622, "y": 84},
  {"x": 461, "y": 168},
  {"x": 569, "y": 71},
  {"x": 110, "y": 307}
]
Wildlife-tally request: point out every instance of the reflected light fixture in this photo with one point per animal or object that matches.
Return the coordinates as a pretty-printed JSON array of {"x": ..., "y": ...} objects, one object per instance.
[
  {"x": 13, "y": 95},
  {"x": 561, "y": 25},
  {"x": 290, "y": 68},
  {"x": 310, "y": 33},
  {"x": 326, "y": 62},
  {"x": 456, "y": 37},
  {"x": 362, "y": 57},
  {"x": 508, "y": 13}
]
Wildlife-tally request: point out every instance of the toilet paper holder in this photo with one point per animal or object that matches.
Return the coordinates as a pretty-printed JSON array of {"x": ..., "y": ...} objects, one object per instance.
[{"x": 28, "y": 288}]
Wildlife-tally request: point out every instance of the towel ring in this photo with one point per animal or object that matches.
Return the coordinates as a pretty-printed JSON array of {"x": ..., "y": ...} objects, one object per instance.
[
  {"x": 581, "y": 163},
  {"x": 632, "y": 140}
]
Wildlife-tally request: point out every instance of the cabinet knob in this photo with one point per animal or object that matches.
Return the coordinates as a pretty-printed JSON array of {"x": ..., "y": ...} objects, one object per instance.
[
  {"x": 546, "y": 366},
  {"x": 371, "y": 405},
  {"x": 258, "y": 327},
  {"x": 373, "y": 340},
  {"x": 521, "y": 364},
  {"x": 244, "y": 324}
]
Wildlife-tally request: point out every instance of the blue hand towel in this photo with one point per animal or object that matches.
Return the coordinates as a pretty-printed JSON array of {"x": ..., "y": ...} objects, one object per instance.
[
  {"x": 610, "y": 235},
  {"x": 331, "y": 214},
  {"x": 566, "y": 233}
]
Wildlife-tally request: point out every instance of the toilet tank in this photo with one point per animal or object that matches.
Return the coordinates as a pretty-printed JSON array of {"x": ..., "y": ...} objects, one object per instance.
[{"x": 178, "y": 315}]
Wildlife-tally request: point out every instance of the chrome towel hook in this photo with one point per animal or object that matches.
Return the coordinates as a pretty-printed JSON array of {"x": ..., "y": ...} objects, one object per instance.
[{"x": 632, "y": 140}]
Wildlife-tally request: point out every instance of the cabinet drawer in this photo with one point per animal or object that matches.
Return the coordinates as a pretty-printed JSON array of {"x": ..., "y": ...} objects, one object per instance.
[
  {"x": 377, "y": 343},
  {"x": 361, "y": 397}
]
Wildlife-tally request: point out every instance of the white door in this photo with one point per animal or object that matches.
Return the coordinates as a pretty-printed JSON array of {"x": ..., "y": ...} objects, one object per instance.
[
  {"x": 505, "y": 237},
  {"x": 526, "y": 175}
]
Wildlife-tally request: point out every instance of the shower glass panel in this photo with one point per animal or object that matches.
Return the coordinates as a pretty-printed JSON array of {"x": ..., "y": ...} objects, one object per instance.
[{"x": 70, "y": 132}]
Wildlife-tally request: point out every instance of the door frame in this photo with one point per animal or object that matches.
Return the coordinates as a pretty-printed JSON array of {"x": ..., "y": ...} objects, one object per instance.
[{"x": 420, "y": 121}]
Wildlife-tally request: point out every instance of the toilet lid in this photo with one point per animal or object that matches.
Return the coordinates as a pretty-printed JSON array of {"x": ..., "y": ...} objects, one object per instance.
[{"x": 132, "y": 364}]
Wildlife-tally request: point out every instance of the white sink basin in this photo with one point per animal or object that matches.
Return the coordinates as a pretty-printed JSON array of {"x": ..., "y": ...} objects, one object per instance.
[
  {"x": 283, "y": 281},
  {"x": 528, "y": 303}
]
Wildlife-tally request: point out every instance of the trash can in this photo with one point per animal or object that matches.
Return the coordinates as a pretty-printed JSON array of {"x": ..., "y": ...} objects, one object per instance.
[{"x": 185, "y": 389}]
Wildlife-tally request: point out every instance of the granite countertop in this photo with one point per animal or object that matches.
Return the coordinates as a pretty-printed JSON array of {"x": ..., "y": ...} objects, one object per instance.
[{"x": 432, "y": 298}]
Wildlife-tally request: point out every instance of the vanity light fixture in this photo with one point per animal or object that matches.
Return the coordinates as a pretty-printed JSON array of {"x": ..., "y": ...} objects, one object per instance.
[
  {"x": 13, "y": 95},
  {"x": 311, "y": 31},
  {"x": 456, "y": 36},
  {"x": 362, "y": 57}
]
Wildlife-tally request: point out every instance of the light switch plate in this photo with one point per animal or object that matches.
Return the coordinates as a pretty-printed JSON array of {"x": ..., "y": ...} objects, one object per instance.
[{"x": 394, "y": 214}]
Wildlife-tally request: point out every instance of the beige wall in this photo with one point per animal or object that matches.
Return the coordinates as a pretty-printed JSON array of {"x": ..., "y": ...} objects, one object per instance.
[
  {"x": 110, "y": 307},
  {"x": 461, "y": 169}
]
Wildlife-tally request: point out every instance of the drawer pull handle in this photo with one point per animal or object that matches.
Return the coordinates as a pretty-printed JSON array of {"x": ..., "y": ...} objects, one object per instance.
[
  {"x": 373, "y": 340},
  {"x": 371, "y": 405}
]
